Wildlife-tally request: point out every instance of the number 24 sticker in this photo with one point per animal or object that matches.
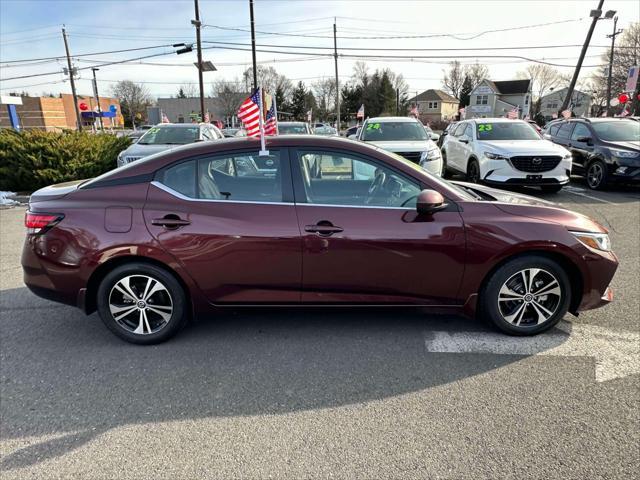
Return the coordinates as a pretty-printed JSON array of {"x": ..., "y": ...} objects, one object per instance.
[{"x": 485, "y": 127}]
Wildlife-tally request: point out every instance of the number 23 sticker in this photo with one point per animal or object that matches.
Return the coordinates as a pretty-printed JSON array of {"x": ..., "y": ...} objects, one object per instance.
[{"x": 485, "y": 127}]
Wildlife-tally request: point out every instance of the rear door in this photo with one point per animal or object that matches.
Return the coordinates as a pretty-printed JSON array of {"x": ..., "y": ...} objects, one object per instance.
[
  {"x": 232, "y": 226},
  {"x": 363, "y": 241}
]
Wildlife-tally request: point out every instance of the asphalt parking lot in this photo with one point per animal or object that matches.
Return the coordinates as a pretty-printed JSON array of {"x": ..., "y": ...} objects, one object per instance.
[{"x": 308, "y": 394}]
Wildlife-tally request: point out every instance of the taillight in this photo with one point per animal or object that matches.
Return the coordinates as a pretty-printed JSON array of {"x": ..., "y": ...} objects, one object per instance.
[{"x": 41, "y": 222}]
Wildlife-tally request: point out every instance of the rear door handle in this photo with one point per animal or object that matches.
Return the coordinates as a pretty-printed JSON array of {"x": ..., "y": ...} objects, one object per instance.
[
  {"x": 322, "y": 228},
  {"x": 170, "y": 221}
]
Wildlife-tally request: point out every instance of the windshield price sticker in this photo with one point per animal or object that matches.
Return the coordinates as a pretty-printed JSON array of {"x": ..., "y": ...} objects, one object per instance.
[
  {"x": 485, "y": 127},
  {"x": 373, "y": 126}
]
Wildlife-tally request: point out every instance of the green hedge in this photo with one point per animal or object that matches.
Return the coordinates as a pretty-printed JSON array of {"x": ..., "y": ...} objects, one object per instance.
[{"x": 33, "y": 159}]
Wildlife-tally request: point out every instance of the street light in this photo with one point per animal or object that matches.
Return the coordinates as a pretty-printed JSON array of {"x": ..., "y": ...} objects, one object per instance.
[{"x": 186, "y": 48}]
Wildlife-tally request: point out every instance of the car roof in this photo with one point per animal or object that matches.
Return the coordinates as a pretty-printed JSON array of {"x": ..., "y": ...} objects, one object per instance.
[
  {"x": 393, "y": 119},
  {"x": 181, "y": 125},
  {"x": 292, "y": 123}
]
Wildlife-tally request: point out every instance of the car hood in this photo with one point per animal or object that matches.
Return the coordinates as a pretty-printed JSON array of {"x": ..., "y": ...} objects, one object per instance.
[
  {"x": 628, "y": 145},
  {"x": 406, "y": 146},
  {"x": 138, "y": 150},
  {"x": 527, "y": 206},
  {"x": 523, "y": 147}
]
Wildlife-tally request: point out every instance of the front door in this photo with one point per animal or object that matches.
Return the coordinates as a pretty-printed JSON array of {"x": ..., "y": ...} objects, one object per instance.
[
  {"x": 580, "y": 150},
  {"x": 364, "y": 243},
  {"x": 231, "y": 225}
]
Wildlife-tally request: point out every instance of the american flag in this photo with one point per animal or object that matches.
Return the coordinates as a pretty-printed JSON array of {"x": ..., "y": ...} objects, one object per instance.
[
  {"x": 566, "y": 113},
  {"x": 513, "y": 113},
  {"x": 249, "y": 113},
  {"x": 414, "y": 111},
  {"x": 270, "y": 120},
  {"x": 360, "y": 113},
  {"x": 309, "y": 115},
  {"x": 207, "y": 118},
  {"x": 463, "y": 113},
  {"x": 165, "y": 119}
]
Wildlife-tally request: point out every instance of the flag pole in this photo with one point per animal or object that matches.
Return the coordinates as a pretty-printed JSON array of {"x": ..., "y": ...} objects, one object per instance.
[
  {"x": 263, "y": 148},
  {"x": 275, "y": 113}
]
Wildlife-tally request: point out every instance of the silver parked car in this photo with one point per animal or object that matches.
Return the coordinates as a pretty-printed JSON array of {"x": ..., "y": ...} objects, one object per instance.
[{"x": 166, "y": 136}]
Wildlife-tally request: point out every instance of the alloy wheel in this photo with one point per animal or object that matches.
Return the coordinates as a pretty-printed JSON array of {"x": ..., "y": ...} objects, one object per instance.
[
  {"x": 529, "y": 297},
  {"x": 140, "y": 304},
  {"x": 595, "y": 175},
  {"x": 474, "y": 172}
]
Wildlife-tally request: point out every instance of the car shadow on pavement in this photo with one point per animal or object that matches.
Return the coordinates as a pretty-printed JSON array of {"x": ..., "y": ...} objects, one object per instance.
[{"x": 65, "y": 379}]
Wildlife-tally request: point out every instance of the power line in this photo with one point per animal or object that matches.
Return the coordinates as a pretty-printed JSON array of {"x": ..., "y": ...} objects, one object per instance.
[
  {"x": 472, "y": 35},
  {"x": 90, "y": 54}
]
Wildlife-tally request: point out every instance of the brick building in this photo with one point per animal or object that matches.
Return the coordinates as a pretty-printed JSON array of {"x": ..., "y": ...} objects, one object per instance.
[{"x": 58, "y": 113}]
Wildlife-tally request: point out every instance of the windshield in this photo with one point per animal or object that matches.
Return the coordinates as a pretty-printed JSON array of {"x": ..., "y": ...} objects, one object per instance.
[
  {"x": 617, "y": 131},
  {"x": 394, "y": 131},
  {"x": 299, "y": 129},
  {"x": 169, "y": 136},
  {"x": 506, "y": 131}
]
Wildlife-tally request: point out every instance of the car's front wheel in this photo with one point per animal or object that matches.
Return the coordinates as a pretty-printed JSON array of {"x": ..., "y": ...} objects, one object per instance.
[
  {"x": 141, "y": 303},
  {"x": 526, "y": 295},
  {"x": 597, "y": 175},
  {"x": 473, "y": 171}
]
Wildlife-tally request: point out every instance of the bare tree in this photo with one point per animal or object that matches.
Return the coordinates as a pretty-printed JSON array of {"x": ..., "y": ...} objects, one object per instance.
[
  {"x": 360, "y": 74},
  {"x": 544, "y": 79},
  {"x": 454, "y": 78},
  {"x": 228, "y": 95},
  {"x": 324, "y": 91},
  {"x": 134, "y": 99},
  {"x": 189, "y": 90},
  {"x": 476, "y": 73}
]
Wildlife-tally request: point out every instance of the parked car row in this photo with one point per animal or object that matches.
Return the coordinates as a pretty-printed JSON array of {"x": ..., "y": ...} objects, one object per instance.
[{"x": 501, "y": 151}]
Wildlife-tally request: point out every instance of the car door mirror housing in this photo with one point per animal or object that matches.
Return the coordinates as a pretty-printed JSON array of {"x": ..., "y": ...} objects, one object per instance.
[
  {"x": 586, "y": 140},
  {"x": 429, "y": 201}
]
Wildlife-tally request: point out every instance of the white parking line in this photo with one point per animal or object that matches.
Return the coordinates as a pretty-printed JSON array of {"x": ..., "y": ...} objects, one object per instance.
[
  {"x": 617, "y": 354},
  {"x": 579, "y": 191}
]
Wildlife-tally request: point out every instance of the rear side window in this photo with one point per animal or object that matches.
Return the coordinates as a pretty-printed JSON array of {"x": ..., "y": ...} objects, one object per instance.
[
  {"x": 181, "y": 178},
  {"x": 580, "y": 131},
  {"x": 242, "y": 176},
  {"x": 565, "y": 130}
]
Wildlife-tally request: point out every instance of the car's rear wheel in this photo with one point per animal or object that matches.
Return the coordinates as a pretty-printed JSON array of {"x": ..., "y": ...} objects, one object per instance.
[
  {"x": 526, "y": 296},
  {"x": 551, "y": 188},
  {"x": 597, "y": 175},
  {"x": 141, "y": 303},
  {"x": 473, "y": 171}
]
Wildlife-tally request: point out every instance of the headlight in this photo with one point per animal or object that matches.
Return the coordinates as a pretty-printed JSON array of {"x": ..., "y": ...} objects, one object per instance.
[
  {"x": 495, "y": 156},
  {"x": 597, "y": 241},
  {"x": 432, "y": 154},
  {"x": 623, "y": 153}
]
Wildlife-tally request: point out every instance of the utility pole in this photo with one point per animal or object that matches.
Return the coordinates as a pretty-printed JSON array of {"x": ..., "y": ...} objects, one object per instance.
[
  {"x": 95, "y": 94},
  {"x": 595, "y": 14},
  {"x": 73, "y": 83},
  {"x": 253, "y": 46},
  {"x": 397, "y": 101},
  {"x": 197, "y": 24},
  {"x": 335, "y": 57},
  {"x": 613, "y": 36}
]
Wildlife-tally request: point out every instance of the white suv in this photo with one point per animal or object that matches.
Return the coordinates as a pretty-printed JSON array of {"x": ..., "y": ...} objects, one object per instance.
[
  {"x": 405, "y": 136},
  {"x": 501, "y": 151}
]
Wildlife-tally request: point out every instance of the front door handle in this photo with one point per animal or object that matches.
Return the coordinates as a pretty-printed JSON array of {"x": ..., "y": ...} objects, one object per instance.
[
  {"x": 170, "y": 222},
  {"x": 323, "y": 228}
]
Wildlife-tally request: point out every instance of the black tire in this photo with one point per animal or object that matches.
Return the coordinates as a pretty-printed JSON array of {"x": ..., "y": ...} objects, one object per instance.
[
  {"x": 164, "y": 290},
  {"x": 473, "y": 171},
  {"x": 527, "y": 322},
  {"x": 596, "y": 175},
  {"x": 444, "y": 164},
  {"x": 551, "y": 188}
]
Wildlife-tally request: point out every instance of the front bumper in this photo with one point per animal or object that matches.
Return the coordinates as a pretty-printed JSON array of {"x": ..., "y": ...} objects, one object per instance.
[{"x": 502, "y": 172}]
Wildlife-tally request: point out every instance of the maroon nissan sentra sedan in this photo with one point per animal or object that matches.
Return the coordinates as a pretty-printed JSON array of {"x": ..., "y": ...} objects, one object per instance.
[{"x": 319, "y": 221}]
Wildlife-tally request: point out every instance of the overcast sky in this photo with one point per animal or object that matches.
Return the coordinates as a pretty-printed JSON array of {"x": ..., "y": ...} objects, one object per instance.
[{"x": 31, "y": 29}]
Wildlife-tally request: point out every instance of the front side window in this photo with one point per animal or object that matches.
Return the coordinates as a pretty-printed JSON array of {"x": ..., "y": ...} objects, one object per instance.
[
  {"x": 331, "y": 178},
  {"x": 579, "y": 131},
  {"x": 232, "y": 177}
]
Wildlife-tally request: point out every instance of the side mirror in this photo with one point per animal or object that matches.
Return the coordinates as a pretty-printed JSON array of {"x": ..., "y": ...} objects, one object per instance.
[
  {"x": 429, "y": 201},
  {"x": 586, "y": 140}
]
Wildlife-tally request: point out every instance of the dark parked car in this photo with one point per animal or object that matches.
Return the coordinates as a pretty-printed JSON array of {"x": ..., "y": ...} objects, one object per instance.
[
  {"x": 604, "y": 150},
  {"x": 447, "y": 130},
  {"x": 334, "y": 222}
]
